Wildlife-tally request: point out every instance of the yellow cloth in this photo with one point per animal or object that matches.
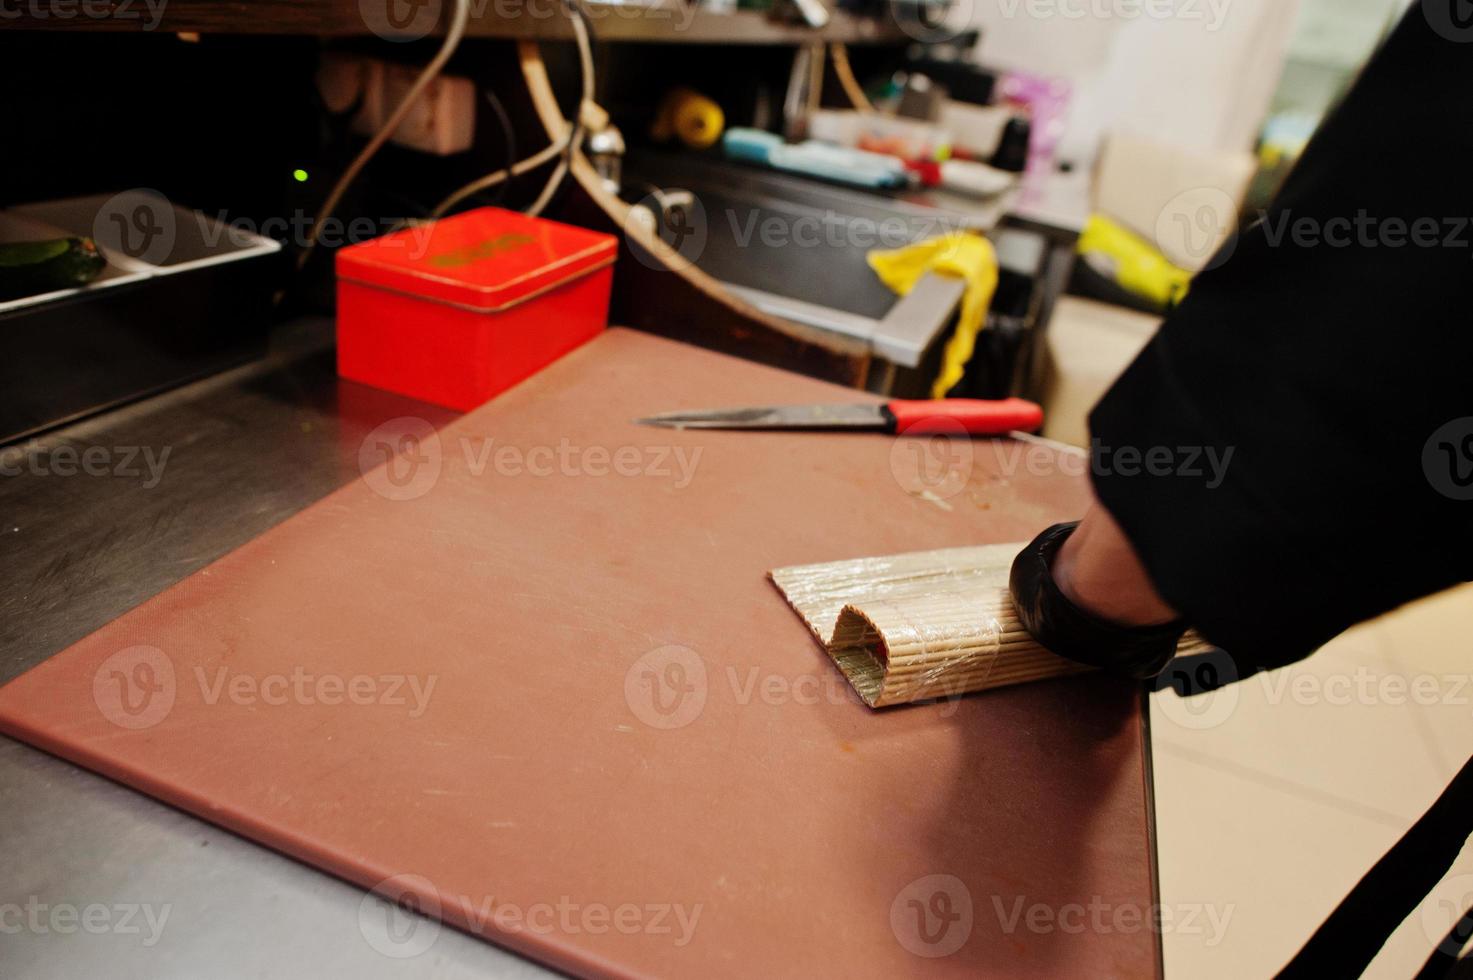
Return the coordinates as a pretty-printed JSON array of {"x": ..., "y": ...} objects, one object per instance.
[{"x": 964, "y": 255}]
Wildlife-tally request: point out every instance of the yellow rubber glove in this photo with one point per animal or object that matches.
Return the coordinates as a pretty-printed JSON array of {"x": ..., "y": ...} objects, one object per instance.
[
  {"x": 965, "y": 255},
  {"x": 1132, "y": 262}
]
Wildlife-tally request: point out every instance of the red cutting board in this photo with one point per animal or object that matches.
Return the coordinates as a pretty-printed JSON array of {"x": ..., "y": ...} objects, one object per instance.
[{"x": 634, "y": 759}]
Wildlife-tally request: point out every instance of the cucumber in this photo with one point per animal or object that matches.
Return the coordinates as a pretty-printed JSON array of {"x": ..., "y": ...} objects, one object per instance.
[{"x": 31, "y": 268}]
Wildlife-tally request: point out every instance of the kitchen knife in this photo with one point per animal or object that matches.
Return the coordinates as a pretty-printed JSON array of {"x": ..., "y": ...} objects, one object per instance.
[{"x": 948, "y": 416}]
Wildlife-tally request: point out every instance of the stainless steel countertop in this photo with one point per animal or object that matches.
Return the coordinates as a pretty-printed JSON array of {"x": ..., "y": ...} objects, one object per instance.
[{"x": 96, "y": 879}]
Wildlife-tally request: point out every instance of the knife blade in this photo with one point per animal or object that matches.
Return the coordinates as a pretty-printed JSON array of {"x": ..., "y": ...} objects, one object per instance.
[{"x": 947, "y": 416}]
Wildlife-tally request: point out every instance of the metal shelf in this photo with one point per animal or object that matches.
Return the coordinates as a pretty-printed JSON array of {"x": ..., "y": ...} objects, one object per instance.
[{"x": 661, "y": 21}]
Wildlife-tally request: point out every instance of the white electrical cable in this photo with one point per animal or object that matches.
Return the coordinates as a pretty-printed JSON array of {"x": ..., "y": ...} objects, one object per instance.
[
  {"x": 459, "y": 16},
  {"x": 491, "y": 180},
  {"x": 560, "y": 147},
  {"x": 585, "y": 66},
  {"x": 553, "y": 182}
]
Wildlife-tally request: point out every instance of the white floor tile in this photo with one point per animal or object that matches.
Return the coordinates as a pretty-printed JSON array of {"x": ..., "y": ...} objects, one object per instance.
[
  {"x": 1275, "y": 861},
  {"x": 1277, "y": 797}
]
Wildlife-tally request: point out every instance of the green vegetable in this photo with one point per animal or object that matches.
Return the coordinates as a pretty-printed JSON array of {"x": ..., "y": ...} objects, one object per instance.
[{"x": 31, "y": 268}]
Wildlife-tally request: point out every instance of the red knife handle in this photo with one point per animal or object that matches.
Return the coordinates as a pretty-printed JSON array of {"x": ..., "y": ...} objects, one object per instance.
[{"x": 975, "y": 417}]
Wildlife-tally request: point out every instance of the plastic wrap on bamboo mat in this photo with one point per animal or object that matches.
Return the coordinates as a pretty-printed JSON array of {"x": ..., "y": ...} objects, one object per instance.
[{"x": 923, "y": 625}]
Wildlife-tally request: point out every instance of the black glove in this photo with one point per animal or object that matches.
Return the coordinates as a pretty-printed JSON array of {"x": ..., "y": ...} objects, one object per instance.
[{"x": 1069, "y": 631}]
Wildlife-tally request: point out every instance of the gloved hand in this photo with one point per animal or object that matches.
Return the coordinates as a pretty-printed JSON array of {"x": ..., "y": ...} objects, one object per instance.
[{"x": 1136, "y": 647}]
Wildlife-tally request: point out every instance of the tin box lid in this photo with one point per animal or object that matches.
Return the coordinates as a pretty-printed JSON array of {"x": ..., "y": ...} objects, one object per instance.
[{"x": 486, "y": 259}]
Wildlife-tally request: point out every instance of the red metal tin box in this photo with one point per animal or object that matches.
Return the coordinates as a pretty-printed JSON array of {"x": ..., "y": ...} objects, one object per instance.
[{"x": 457, "y": 311}]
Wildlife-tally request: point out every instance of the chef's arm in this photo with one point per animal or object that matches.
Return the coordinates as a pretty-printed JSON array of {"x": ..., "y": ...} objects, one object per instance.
[
  {"x": 1098, "y": 570},
  {"x": 1308, "y": 392}
]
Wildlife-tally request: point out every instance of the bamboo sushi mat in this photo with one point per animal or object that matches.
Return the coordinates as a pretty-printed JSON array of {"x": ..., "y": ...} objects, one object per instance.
[{"x": 924, "y": 625}]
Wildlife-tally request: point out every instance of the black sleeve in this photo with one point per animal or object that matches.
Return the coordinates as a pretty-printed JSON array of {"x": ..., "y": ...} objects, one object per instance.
[{"x": 1330, "y": 354}]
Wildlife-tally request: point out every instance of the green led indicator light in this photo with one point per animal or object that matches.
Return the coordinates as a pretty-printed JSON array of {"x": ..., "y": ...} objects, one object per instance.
[{"x": 300, "y": 175}]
